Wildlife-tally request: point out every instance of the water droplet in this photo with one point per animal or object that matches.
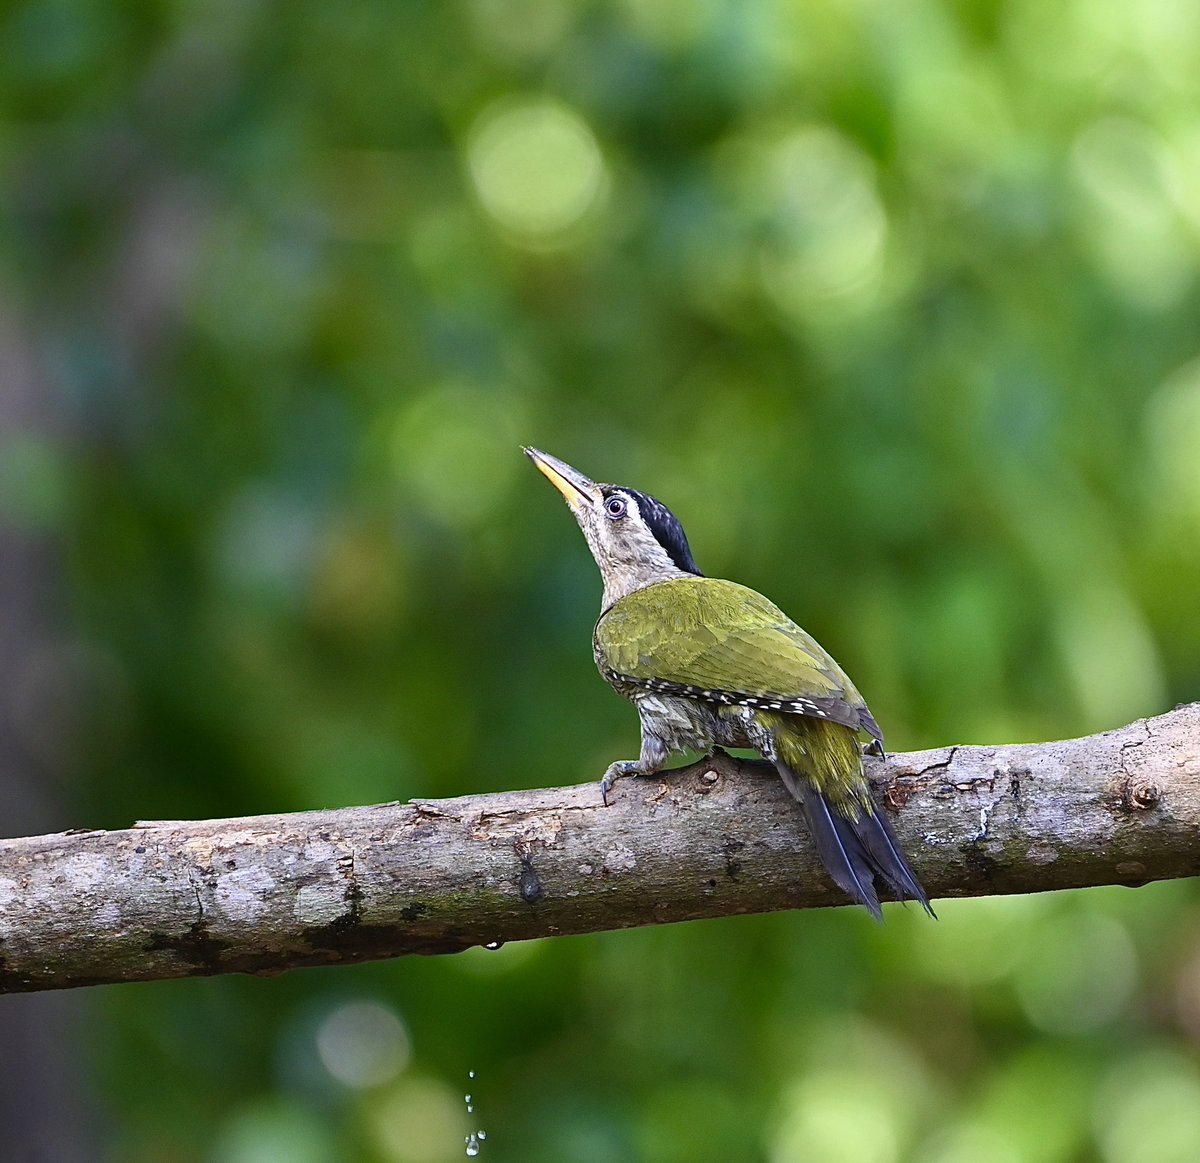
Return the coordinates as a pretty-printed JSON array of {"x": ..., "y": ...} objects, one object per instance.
[
  {"x": 528, "y": 884},
  {"x": 494, "y": 945},
  {"x": 475, "y": 1137}
]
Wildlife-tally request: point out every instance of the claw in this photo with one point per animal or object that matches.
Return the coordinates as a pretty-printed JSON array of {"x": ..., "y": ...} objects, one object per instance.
[{"x": 616, "y": 771}]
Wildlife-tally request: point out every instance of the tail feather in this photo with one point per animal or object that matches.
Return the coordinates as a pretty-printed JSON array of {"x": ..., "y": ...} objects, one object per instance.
[
  {"x": 845, "y": 859},
  {"x": 856, "y": 850},
  {"x": 875, "y": 831}
]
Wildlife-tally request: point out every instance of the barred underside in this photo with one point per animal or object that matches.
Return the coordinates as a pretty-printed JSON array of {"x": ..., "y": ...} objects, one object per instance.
[{"x": 832, "y": 710}]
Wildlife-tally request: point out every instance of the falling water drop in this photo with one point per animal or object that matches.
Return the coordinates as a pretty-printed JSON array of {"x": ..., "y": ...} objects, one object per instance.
[{"x": 475, "y": 1137}]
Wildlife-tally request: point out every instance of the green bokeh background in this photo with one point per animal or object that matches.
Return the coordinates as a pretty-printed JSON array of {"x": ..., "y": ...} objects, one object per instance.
[{"x": 895, "y": 304}]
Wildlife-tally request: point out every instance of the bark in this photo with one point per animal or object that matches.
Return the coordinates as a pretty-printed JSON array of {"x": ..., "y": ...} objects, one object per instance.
[
  {"x": 46, "y": 1109},
  {"x": 269, "y": 893}
]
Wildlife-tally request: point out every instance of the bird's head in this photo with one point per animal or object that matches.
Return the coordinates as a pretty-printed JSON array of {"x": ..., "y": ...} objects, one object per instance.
[{"x": 635, "y": 539}]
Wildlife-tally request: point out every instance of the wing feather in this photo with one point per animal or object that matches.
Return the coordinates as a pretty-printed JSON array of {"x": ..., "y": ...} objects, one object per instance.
[{"x": 721, "y": 642}]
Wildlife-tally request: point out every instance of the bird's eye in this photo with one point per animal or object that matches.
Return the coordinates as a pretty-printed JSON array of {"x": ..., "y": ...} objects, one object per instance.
[{"x": 615, "y": 507}]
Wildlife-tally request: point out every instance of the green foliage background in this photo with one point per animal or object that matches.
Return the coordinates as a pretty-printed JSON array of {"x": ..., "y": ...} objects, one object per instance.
[{"x": 895, "y": 304}]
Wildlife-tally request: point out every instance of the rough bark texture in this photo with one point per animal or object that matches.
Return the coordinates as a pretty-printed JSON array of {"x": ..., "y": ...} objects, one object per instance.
[
  {"x": 46, "y": 1110},
  {"x": 269, "y": 893}
]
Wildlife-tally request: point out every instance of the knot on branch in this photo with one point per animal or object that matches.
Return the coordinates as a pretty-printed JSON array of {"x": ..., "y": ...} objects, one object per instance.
[
  {"x": 1143, "y": 794},
  {"x": 1135, "y": 795}
]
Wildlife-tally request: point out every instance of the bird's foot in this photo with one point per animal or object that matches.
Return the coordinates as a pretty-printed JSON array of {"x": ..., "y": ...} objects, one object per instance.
[{"x": 618, "y": 770}]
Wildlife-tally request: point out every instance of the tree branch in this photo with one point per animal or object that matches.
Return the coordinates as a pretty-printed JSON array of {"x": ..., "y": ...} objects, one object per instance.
[{"x": 269, "y": 893}]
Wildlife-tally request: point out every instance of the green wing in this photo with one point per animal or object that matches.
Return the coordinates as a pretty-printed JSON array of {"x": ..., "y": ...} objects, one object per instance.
[{"x": 719, "y": 641}]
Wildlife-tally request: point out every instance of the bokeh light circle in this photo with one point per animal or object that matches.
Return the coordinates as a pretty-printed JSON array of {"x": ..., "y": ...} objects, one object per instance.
[{"x": 536, "y": 167}]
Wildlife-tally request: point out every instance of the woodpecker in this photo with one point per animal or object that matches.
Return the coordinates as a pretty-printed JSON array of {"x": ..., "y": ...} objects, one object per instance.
[{"x": 709, "y": 663}]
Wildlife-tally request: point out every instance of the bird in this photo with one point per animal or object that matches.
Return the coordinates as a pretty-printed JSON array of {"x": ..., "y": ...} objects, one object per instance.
[{"x": 710, "y": 664}]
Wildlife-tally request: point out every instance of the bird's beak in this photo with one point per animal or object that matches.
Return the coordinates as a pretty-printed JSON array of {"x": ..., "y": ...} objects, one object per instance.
[{"x": 574, "y": 486}]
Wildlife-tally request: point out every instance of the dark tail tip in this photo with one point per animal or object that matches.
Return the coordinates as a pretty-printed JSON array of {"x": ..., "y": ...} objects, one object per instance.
[
  {"x": 858, "y": 851},
  {"x": 887, "y": 859}
]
